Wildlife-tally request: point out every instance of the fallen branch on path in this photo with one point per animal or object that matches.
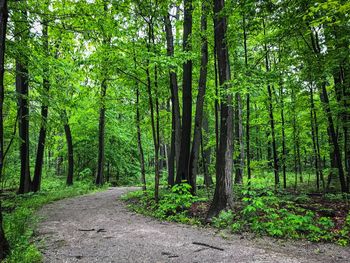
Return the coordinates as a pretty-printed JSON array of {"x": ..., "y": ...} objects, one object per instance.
[{"x": 206, "y": 245}]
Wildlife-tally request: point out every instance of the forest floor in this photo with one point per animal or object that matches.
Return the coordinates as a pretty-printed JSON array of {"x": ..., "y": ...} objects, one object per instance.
[{"x": 99, "y": 228}]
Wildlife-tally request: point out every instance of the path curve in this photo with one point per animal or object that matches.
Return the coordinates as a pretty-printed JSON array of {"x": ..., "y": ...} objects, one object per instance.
[{"x": 99, "y": 228}]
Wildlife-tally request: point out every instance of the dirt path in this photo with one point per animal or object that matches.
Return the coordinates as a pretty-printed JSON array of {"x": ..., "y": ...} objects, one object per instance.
[{"x": 99, "y": 228}]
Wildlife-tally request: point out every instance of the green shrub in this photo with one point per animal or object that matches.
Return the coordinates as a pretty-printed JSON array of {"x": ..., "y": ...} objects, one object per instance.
[{"x": 224, "y": 219}]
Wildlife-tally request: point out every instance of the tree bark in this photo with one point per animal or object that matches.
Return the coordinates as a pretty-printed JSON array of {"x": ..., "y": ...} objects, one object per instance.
[
  {"x": 44, "y": 112},
  {"x": 101, "y": 135},
  {"x": 249, "y": 172},
  {"x": 154, "y": 123},
  {"x": 333, "y": 137},
  {"x": 69, "y": 141},
  {"x": 171, "y": 159},
  {"x": 200, "y": 102},
  {"x": 315, "y": 142},
  {"x": 139, "y": 138},
  {"x": 206, "y": 151},
  {"x": 184, "y": 159},
  {"x": 175, "y": 105},
  {"x": 4, "y": 246},
  {"x": 239, "y": 163},
  {"x": 271, "y": 118},
  {"x": 216, "y": 102},
  {"x": 284, "y": 150},
  {"x": 23, "y": 104},
  {"x": 224, "y": 164}
]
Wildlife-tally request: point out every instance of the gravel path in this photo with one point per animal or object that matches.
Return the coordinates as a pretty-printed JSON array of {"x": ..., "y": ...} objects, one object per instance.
[{"x": 99, "y": 228}]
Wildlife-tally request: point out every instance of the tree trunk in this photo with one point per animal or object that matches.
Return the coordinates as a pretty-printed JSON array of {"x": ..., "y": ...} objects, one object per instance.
[
  {"x": 101, "y": 135},
  {"x": 139, "y": 140},
  {"x": 239, "y": 164},
  {"x": 284, "y": 151},
  {"x": 155, "y": 130},
  {"x": 206, "y": 151},
  {"x": 200, "y": 102},
  {"x": 294, "y": 124},
  {"x": 175, "y": 105},
  {"x": 216, "y": 102},
  {"x": 223, "y": 188},
  {"x": 171, "y": 159},
  {"x": 315, "y": 142},
  {"x": 249, "y": 172},
  {"x": 184, "y": 159},
  {"x": 271, "y": 119},
  {"x": 68, "y": 134},
  {"x": 4, "y": 246},
  {"x": 333, "y": 137},
  {"x": 22, "y": 31},
  {"x": 44, "y": 112}
]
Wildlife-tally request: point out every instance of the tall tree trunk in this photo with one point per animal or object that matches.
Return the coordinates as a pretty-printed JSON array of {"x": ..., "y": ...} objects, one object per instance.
[
  {"x": 315, "y": 142},
  {"x": 139, "y": 138},
  {"x": 184, "y": 159},
  {"x": 333, "y": 137},
  {"x": 271, "y": 118},
  {"x": 216, "y": 102},
  {"x": 239, "y": 163},
  {"x": 154, "y": 123},
  {"x": 223, "y": 188},
  {"x": 171, "y": 159},
  {"x": 175, "y": 105},
  {"x": 206, "y": 151},
  {"x": 284, "y": 150},
  {"x": 4, "y": 246},
  {"x": 200, "y": 101},
  {"x": 158, "y": 172},
  {"x": 69, "y": 141},
  {"x": 44, "y": 112},
  {"x": 101, "y": 135},
  {"x": 22, "y": 31},
  {"x": 299, "y": 158},
  {"x": 294, "y": 124},
  {"x": 249, "y": 172}
]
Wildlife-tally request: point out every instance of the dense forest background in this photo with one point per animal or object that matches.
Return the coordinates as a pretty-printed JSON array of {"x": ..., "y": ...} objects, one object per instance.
[{"x": 245, "y": 93}]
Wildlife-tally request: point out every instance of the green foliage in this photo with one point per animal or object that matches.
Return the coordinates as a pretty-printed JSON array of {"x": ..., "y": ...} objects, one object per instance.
[
  {"x": 224, "y": 219},
  {"x": 277, "y": 216},
  {"x": 173, "y": 204},
  {"x": 344, "y": 233},
  {"x": 20, "y": 218}
]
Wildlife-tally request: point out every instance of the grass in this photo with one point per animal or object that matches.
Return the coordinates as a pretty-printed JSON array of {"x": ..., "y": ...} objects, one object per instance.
[{"x": 20, "y": 219}]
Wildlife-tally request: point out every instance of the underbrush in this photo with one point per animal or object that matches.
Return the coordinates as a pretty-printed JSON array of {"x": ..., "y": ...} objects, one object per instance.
[
  {"x": 174, "y": 203},
  {"x": 261, "y": 211},
  {"x": 288, "y": 216},
  {"x": 20, "y": 219}
]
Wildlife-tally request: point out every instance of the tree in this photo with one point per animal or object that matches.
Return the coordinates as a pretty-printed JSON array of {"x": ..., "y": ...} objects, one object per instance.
[
  {"x": 175, "y": 105},
  {"x": 44, "y": 112},
  {"x": 223, "y": 189},
  {"x": 22, "y": 86},
  {"x": 200, "y": 101},
  {"x": 4, "y": 246},
  {"x": 184, "y": 158}
]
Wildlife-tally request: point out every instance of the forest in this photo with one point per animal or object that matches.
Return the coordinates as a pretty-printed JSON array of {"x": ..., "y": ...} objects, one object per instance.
[{"x": 233, "y": 113}]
